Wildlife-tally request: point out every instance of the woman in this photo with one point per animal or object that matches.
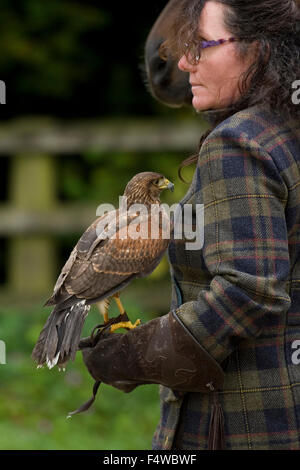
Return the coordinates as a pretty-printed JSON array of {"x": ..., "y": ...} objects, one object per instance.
[{"x": 226, "y": 354}]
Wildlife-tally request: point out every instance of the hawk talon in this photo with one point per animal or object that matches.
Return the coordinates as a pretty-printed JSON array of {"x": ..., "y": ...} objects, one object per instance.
[
  {"x": 124, "y": 324},
  {"x": 98, "y": 330}
]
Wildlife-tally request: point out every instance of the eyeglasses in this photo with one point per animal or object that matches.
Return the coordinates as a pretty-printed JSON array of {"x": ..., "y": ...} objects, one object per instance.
[{"x": 193, "y": 51}]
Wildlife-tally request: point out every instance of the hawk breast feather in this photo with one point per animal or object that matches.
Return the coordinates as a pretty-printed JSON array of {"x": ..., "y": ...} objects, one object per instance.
[{"x": 106, "y": 258}]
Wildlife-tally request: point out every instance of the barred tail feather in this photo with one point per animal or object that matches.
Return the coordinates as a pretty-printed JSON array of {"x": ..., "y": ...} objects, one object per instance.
[{"x": 58, "y": 340}]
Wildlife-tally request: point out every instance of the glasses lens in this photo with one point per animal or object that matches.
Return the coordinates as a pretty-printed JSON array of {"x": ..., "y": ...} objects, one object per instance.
[{"x": 193, "y": 52}]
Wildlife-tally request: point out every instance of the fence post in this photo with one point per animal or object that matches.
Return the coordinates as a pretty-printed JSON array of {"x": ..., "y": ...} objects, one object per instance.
[{"x": 32, "y": 258}]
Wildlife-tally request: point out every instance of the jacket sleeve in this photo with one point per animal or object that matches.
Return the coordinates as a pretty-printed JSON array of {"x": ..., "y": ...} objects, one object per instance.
[{"x": 245, "y": 246}]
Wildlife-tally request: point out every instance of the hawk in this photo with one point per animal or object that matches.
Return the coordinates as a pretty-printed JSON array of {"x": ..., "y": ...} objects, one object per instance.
[{"x": 115, "y": 249}]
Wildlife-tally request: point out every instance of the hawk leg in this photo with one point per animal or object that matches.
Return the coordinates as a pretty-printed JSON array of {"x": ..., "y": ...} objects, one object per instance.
[{"x": 123, "y": 324}]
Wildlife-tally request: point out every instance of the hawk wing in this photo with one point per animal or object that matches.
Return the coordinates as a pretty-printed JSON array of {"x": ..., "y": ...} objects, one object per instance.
[
  {"x": 115, "y": 261},
  {"x": 95, "y": 234},
  {"x": 105, "y": 259}
]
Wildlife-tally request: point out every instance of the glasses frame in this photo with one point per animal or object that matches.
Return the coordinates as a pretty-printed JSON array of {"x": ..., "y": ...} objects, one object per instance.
[{"x": 206, "y": 44}]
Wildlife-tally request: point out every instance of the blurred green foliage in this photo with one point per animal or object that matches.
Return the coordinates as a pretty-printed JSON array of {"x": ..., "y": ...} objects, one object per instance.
[
  {"x": 72, "y": 59},
  {"x": 34, "y": 403},
  {"x": 102, "y": 177}
]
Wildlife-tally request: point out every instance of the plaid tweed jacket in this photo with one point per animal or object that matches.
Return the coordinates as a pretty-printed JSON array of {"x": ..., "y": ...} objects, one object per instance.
[{"x": 240, "y": 294}]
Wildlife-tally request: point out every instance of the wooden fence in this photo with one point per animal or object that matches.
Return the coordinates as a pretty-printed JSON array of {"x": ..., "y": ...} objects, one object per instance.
[{"x": 30, "y": 222}]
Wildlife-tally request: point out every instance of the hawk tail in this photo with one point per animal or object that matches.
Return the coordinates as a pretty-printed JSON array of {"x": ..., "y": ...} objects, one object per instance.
[{"x": 58, "y": 340}]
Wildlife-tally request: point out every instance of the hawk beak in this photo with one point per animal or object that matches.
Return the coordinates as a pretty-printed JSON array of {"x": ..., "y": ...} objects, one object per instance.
[{"x": 166, "y": 184}]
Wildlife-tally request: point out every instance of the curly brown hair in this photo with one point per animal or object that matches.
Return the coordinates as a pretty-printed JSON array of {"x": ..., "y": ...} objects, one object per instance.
[{"x": 275, "y": 27}]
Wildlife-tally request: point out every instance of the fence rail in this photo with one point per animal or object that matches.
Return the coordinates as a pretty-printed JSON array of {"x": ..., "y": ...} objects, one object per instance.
[
  {"x": 58, "y": 138},
  {"x": 30, "y": 221},
  {"x": 63, "y": 220}
]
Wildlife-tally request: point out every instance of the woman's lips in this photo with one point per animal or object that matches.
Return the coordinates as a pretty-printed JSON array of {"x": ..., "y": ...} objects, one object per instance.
[{"x": 194, "y": 87}]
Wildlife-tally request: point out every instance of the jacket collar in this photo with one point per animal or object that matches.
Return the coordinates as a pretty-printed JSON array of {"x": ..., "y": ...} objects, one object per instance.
[{"x": 215, "y": 116}]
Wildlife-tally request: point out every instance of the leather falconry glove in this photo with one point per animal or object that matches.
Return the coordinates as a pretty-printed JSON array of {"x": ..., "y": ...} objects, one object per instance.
[{"x": 162, "y": 351}]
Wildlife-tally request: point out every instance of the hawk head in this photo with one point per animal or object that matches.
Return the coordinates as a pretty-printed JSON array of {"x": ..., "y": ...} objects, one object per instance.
[{"x": 146, "y": 187}]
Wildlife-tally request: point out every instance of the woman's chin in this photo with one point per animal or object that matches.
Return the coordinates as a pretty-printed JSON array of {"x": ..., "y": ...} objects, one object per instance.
[{"x": 201, "y": 104}]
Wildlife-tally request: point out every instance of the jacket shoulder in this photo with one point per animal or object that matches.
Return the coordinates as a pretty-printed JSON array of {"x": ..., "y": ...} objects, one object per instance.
[{"x": 255, "y": 123}]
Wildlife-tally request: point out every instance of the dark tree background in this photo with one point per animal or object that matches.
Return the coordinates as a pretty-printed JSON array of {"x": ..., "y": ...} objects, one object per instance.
[{"x": 75, "y": 59}]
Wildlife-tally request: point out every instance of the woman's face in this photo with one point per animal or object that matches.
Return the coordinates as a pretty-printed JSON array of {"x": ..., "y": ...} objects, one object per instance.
[{"x": 214, "y": 79}]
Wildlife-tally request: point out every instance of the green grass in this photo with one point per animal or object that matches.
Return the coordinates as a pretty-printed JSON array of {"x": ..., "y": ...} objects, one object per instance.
[{"x": 34, "y": 403}]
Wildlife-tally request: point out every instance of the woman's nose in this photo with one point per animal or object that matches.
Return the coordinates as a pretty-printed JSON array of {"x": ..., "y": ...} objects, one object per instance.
[{"x": 184, "y": 65}]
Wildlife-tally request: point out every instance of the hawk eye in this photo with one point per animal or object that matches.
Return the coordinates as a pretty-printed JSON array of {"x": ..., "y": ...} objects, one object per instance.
[{"x": 156, "y": 182}]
